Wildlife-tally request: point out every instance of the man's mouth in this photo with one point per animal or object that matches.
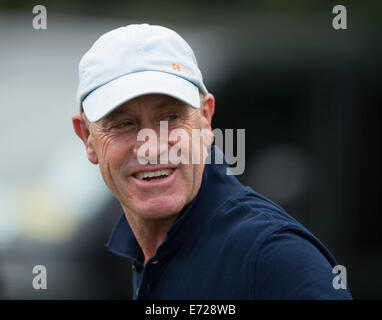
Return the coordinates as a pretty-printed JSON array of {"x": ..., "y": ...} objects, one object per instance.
[{"x": 153, "y": 175}]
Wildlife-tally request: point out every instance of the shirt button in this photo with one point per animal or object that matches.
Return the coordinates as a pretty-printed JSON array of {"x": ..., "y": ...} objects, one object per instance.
[{"x": 136, "y": 269}]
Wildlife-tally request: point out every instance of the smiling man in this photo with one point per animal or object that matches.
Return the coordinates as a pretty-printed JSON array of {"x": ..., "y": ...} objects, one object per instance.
[
  {"x": 191, "y": 230},
  {"x": 151, "y": 195}
]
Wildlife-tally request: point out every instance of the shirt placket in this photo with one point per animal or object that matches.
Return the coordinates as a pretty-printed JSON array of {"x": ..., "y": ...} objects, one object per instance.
[{"x": 143, "y": 277}]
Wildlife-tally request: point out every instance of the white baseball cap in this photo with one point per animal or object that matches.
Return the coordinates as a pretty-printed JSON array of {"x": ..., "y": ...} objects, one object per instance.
[{"x": 135, "y": 60}]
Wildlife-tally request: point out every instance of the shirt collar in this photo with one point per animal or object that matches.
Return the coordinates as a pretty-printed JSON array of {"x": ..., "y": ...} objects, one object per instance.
[{"x": 216, "y": 185}]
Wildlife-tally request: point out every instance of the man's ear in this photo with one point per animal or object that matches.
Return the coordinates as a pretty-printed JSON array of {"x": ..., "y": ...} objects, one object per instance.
[
  {"x": 207, "y": 110},
  {"x": 82, "y": 131}
]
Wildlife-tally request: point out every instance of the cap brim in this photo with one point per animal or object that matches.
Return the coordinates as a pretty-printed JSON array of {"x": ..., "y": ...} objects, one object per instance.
[{"x": 108, "y": 97}]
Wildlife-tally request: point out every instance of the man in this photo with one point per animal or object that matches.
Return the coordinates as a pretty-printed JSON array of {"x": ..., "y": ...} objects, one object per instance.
[{"x": 191, "y": 230}]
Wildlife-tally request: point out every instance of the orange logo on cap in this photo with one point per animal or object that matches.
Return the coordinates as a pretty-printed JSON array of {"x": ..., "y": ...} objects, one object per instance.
[{"x": 176, "y": 66}]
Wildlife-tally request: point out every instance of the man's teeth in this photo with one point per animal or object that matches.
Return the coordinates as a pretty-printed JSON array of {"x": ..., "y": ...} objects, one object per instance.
[{"x": 151, "y": 174}]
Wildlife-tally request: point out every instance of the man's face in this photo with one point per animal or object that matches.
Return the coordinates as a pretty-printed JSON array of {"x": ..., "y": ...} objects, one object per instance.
[{"x": 113, "y": 144}]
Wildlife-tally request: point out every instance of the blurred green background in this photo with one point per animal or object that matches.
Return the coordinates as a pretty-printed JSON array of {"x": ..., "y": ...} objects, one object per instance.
[{"x": 308, "y": 96}]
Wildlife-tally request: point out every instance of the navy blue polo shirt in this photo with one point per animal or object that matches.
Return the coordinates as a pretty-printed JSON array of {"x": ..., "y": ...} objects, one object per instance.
[{"x": 230, "y": 242}]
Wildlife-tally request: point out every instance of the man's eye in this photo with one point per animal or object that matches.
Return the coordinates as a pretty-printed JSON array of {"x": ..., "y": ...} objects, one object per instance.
[
  {"x": 171, "y": 117},
  {"x": 123, "y": 124}
]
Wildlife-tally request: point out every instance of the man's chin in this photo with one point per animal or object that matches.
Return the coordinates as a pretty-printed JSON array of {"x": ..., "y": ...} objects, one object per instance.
[{"x": 159, "y": 209}]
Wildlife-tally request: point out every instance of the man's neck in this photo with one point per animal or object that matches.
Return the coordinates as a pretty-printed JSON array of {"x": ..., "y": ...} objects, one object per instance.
[{"x": 149, "y": 233}]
